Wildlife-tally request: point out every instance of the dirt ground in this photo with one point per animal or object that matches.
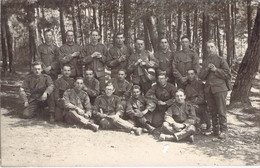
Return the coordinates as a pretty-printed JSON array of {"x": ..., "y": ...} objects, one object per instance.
[{"x": 36, "y": 142}]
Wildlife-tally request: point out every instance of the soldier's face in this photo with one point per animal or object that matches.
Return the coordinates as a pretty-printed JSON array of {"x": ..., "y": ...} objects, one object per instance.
[
  {"x": 185, "y": 43},
  {"x": 211, "y": 48},
  {"x": 109, "y": 90},
  {"x": 79, "y": 84},
  {"x": 121, "y": 75},
  {"x": 120, "y": 39},
  {"x": 66, "y": 71},
  {"x": 94, "y": 36},
  {"x": 89, "y": 74},
  {"x": 70, "y": 37},
  {"x": 191, "y": 75},
  {"x": 164, "y": 44},
  {"x": 37, "y": 69},
  {"x": 48, "y": 37},
  {"x": 162, "y": 79},
  {"x": 140, "y": 45},
  {"x": 180, "y": 97},
  {"x": 136, "y": 93}
]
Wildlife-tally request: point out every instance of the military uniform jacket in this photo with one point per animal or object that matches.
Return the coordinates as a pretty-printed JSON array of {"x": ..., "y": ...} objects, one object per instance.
[
  {"x": 194, "y": 92},
  {"x": 183, "y": 61},
  {"x": 109, "y": 105},
  {"x": 97, "y": 64},
  {"x": 215, "y": 81},
  {"x": 34, "y": 86},
  {"x": 112, "y": 59},
  {"x": 166, "y": 94},
  {"x": 65, "y": 52},
  {"x": 139, "y": 104},
  {"x": 122, "y": 88},
  {"x": 139, "y": 71},
  {"x": 73, "y": 99},
  {"x": 93, "y": 88},
  {"x": 61, "y": 85},
  {"x": 181, "y": 113},
  {"x": 165, "y": 61},
  {"x": 48, "y": 55}
]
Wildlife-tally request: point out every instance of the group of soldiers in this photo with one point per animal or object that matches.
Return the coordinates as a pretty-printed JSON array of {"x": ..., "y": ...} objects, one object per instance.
[{"x": 129, "y": 89}]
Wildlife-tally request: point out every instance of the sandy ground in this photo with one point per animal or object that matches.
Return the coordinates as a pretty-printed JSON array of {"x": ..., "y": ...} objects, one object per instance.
[{"x": 36, "y": 142}]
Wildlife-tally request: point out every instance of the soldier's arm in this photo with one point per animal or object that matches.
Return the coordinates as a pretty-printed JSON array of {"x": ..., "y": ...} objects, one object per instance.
[
  {"x": 64, "y": 57},
  {"x": 129, "y": 108},
  {"x": 50, "y": 85},
  {"x": 224, "y": 71},
  {"x": 55, "y": 63},
  {"x": 24, "y": 90},
  {"x": 191, "y": 120},
  {"x": 151, "y": 94},
  {"x": 195, "y": 62},
  {"x": 168, "y": 116},
  {"x": 110, "y": 61},
  {"x": 132, "y": 65},
  {"x": 119, "y": 108},
  {"x": 67, "y": 102},
  {"x": 104, "y": 54},
  {"x": 93, "y": 92},
  {"x": 150, "y": 105},
  {"x": 175, "y": 71},
  {"x": 38, "y": 53},
  {"x": 172, "y": 99},
  {"x": 204, "y": 71},
  {"x": 87, "y": 105},
  {"x": 96, "y": 109},
  {"x": 127, "y": 93}
]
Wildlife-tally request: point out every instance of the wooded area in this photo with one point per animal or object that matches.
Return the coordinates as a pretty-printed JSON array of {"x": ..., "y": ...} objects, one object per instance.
[{"x": 232, "y": 24}]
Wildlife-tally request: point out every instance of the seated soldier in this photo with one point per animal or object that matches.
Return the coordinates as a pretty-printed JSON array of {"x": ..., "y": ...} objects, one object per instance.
[
  {"x": 179, "y": 120},
  {"x": 139, "y": 109},
  {"x": 108, "y": 111},
  {"x": 78, "y": 109},
  {"x": 60, "y": 86},
  {"x": 35, "y": 92},
  {"x": 163, "y": 95},
  {"x": 91, "y": 85},
  {"x": 195, "y": 95},
  {"x": 103, "y": 81}
]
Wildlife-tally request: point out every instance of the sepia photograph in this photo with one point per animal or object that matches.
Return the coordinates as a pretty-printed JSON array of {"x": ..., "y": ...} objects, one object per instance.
[{"x": 130, "y": 83}]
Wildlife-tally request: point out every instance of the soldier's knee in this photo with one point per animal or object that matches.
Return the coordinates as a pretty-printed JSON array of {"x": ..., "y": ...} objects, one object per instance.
[
  {"x": 165, "y": 125},
  {"x": 105, "y": 124},
  {"x": 27, "y": 114},
  {"x": 191, "y": 128}
]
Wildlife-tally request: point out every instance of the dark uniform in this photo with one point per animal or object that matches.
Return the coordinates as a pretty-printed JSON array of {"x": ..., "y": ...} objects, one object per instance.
[
  {"x": 194, "y": 92},
  {"x": 139, "y": 73},
  {"x": 137, "y": 105},
  {"x": 93, "y": 88},
  {"x": 122, "y": 88},
  {"x": 180, "y": 113},
  {"x": 216, "y": 90},
  {"x": 182, "y": 62},
  {"x": 165, "y": 63},
  {"x": 60, "y": 86},
  {"x": 112, "y": 59},
  {"x": 48, "y": 55},
  {"x": 65, "y": 52},
  {"x": 159, "y": 93},
  {"x": 97, "y": 64},
  {"x": 31, "y": 91}
]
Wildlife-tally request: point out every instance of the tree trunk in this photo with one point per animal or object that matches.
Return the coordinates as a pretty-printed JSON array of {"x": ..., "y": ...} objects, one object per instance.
[
  {"x": 80, "y": 24},
  {"x": 228, "y": 35},
  {"x": 151, "y": 29},
  {"x": 146, "y": 35},
  {"x": 248, "y": 67},
  {"x": 188, "y": 25},
  {"x": 219, "y": 39},
  {"x": 94, "y": 15},
  {"x": 9, "y": 46},
  {"x": 195, "y": 32},
  {"x": 205, "y": 34},
  {"x": 100, "y": 14},
  {"x": 38, "y": 27},
  {"x": 249, "y": 19},
  {"x": 3, "y": 37},
  {"x": 74, "y": 24},
  {"x": 179, "y": 30},
  {"x": 233, "y": 28},
  {"x": 62, "y": 26},
  {"x": 127, "y": 21}
]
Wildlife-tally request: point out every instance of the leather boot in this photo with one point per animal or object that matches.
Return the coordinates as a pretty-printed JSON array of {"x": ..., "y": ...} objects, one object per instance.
[
  {"x": 190, "y": 130},
  {"x": 93, "y": 127},
  {"x": 149, "y": 127},
  {"x": 164, "y": 137},
  {"x": 52, "y": 117}
]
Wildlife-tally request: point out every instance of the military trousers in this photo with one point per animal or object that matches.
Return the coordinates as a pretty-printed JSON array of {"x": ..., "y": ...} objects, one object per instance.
[
  {"x": 72, "y": 117},
  {"x": 114, "y": 123}
]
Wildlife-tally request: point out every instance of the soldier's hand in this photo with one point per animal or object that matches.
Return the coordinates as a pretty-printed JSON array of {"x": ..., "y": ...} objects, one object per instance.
[
  {"x": 26, "y": 104},
  {"x": 99, "y": 55},
  {"x": 139, "y": 114},
  {"x": 87, "y": 114},
  {"x": 80, "y": 111},
  {"x": 75, "y": 54},
  {"x": 161, "y": 102},
  {"x": 44, "y": 96},
  {"x": 143, "y": 63},
  {"x": 179, "y": 126},
  {"x": 213, "y": 68}
]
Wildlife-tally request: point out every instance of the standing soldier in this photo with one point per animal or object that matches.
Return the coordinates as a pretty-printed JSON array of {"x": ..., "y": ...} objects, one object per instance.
[
  {"x": 184, "y": 60},
  {"x": 216, "y": 72},
  {"x": 96, "y": 54},
  {"x": 165, "y": 58},
  {"x": 91, "y": 85},
  {"x": 142, "y": 66},
  {"x": 108, "y": 111},
  {"x": 118, "y": 55},
  {"x": 78, "y": 109},
  {"x": 71, "y": 53},
  {"x": 62, "y": 84},
  {"x": 139, "y": 109},
  {"x": 48, "y": 55},
  {"x": 35, "y": 92},
  {"x": 163, "y": 94}
]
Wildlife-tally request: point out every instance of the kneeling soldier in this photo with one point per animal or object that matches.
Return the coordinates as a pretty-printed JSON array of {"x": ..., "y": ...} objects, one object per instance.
[
  {"x": 179, "y": 120},
  {"x": 108, "y": 111},
  {"x": 139, "y": 109},
  {"x": 78, "y": 107},
  {"x": 35, "y": 92}
]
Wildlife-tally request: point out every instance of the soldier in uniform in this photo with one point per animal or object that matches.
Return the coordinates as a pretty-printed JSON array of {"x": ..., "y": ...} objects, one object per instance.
[
  {"x": 78, "y": 109},
  {"x": 165, "y": 58},
  {"x": 184, "y": 60},
  {"x": 96, "y": 54},
  {"x": 71, "y": 54},
  {"x": 179, "y": 120},
  {"x": 104, "y": 81},
  {"x": 62, "y": 84},
  {"x": 216, "y": 72},
  {"x": 141, "y": 65},
  {"x": 35, "y": 92},
  {"x": 194, "y": 92},
  {"x": 163, "y": 94},
  {"x": 118, "y": 55},
  {"x": 139, "y": 109},
  {"x": 48, "y": 55},
  {"x": 108, "y": 111},
  {"x": 91, "y": 85}
]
